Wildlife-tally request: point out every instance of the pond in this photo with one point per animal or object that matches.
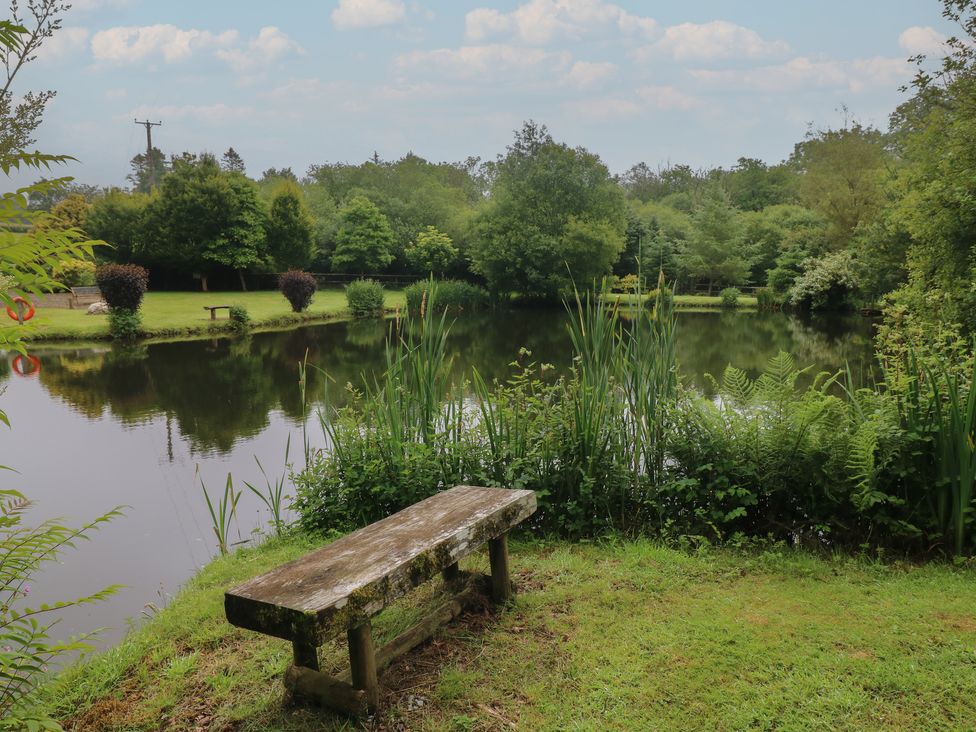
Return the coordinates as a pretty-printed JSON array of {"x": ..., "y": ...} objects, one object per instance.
[{"x": 98, "y": 427}]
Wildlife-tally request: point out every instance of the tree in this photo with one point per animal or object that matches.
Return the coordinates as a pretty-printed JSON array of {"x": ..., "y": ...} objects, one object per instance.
[
  {"x": 753, "y": 186},
  {"x": 232, "y": 162},
  {"x": 118, "y": 219},
  {"x": 841, "y": 176},
  {"x": 432, "y": 253},
  {"x": 291, "y": 231},
  {"x": 555, "y": 217},
  {"x": 68, "y": 213},
  {"x": 767, "y": 234},
  {"x": 363, "y": 239},
  {"x": 148, "y": 170},
  {"x": 204, "y": 217},
  {"x": 715, "y": 250}
]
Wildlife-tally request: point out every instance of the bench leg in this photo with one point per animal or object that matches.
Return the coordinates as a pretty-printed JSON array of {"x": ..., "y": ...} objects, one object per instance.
[
  {"x": 451, "y": 573},
  {"x": 306, "y": 654},
  {"x": 213, "y": 314},
  {"x": 362, "y": 662},
  {"x": 501, "y": 583}
]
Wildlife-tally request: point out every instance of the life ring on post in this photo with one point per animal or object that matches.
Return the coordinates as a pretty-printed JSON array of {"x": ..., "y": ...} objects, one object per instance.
[
  {"x": 18, "y": 366},
  {"x": 21, "y": 301}
]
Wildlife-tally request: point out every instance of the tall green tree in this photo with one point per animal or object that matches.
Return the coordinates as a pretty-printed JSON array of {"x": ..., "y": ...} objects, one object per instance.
[
  {"x": 148, "y": 170},
  {"x": 715, "y": 252},
  {"x": 555, "y": 217},
  {"x": 232, "y": 162},
  {"x": 118, "y": 219},
  {"x": 203, "y": 218},
  {"x": 841, "y": 175},
  {"x": 364, "y": 238},
  {"x": 291, "y": 230}
]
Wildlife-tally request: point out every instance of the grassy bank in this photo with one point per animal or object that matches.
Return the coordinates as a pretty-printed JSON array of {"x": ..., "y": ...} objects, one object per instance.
[
  {"x": 602, "y": 636},
  {"x": 181, "y": 313},
  {"x": 688, "y": 301}
]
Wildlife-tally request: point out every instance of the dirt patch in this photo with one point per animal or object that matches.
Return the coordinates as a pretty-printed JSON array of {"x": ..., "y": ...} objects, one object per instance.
[{"x": 965, "y": 623}]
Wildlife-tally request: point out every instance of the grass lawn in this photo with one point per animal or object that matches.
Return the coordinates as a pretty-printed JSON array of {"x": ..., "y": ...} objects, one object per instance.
[
  {"x": 690, "y": 301},
  {"x": 621, "y": 636},
  {"x": 182, "y": 313}
]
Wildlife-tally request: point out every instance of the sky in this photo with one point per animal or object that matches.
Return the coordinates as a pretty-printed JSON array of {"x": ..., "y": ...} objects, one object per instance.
[{"x": 301, "y": 82}]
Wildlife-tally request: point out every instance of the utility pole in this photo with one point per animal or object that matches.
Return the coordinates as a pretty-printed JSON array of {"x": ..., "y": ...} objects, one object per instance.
[{"x": 149, "y": 148}]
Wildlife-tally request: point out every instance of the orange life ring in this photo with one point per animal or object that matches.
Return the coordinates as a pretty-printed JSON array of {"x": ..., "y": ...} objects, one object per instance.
[
  {"x": 18, "y": 366},
  {"x": 13, "y": 313}
]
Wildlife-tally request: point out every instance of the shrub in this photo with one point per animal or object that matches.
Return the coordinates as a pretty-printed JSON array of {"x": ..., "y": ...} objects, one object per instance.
[
  {"x": 450, "y": 295},
  {"x": 124, "y": 324},
  {"x": 768, "y": 299},
  {"x": 628, "y": 283},
  {"x": 239, "y": 317},
  {"x": 75, "y": 273},
  {"x": 365, "y": 298},
  {"x": 298, "y": 288},
  {"x": 122, "y": 285},
  {"x": 730, "y": 297},
  {"x": 829, "y": 283}
]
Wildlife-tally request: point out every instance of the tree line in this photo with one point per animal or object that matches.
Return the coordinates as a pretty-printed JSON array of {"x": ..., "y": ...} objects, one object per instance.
[{"x": 853, "y": 214}]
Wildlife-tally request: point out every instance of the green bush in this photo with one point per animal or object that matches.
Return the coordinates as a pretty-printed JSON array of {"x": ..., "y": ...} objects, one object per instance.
[
  {"x": 298, "y": 288},
  {"x": 730, "y": 297},
  {"x": 767, "y": 299},
  {"x": 239, "y": 317},
  {"x": 365, "y": 298},
  {"x": 75, "y": 273},
  {"x": 455, "y": 295},
  {"x": 122, "y": 285},
  {"x": 124, "y": 324}
]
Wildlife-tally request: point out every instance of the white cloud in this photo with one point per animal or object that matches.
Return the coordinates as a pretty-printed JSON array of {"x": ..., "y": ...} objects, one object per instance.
[
  {"x": 352, "y": 14},
  {"x": 645, "y": 100},
  {"x": 667, "y": 98},
  {"x": 541, "y": 21},
  {"x": 129, "y": 44},
  {"x": 471, "y": 61},
  {"x": 65, "y": 42},
  {"x": 802, "y": 73},
  {"x": 269, "y": 45},
  {"x": 718, "y": 39},
  {"x": 206, "y": 113},
  {"x": 921, "y": 39},
  {"x": 584, "y": 74}
]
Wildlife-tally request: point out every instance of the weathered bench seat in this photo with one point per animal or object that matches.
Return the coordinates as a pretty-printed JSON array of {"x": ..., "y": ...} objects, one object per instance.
[{"x": 342, "y": 585}]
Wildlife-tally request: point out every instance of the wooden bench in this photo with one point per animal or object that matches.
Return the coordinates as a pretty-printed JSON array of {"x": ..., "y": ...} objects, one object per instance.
[
  {"x": 339, "y": 587},
  {"x": 214, "y": 308},
  {"x": 84, "y": 296}
]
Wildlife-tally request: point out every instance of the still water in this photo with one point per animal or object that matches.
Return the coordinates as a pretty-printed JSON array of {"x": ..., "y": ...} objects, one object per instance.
[{"x": 97, "y": 427}]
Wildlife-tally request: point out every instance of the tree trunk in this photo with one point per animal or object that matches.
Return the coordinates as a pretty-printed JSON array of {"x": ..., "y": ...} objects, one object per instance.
[
  {"x": 240, "y": 275},
  {"x": 203, "y": 283},
  {"x": 709, "y": 287}
]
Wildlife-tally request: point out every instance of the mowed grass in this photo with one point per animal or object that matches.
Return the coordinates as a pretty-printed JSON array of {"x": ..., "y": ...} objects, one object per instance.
[
  {"x": 686, "y": 301},
  {"x": 178, "y": 313},
  {"x": 618, "y": 636}
]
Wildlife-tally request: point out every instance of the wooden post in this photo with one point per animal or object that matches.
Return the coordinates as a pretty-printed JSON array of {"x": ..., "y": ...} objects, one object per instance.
[
  {"x": 362, "y": 662},
  {"x": 451, "y": 573},
  {"x": 20, "y": 313},
  {"x": 501, "y": 584}
]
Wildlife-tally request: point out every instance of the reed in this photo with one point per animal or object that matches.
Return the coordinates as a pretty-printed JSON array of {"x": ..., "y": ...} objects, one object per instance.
[
  {"x": 223, "y": 513},
  {"x": 273, "y": 494}
]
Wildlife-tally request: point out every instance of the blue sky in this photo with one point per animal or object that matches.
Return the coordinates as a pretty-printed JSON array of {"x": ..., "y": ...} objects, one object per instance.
[{"x": 301, "y": 82}]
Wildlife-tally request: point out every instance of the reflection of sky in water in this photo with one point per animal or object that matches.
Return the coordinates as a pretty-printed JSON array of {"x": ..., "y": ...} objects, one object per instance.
[{"x": 101, "y": 427}]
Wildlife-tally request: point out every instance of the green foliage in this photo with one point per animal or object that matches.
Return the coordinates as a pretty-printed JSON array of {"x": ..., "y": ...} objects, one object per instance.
[
  {"x": 68, "y": 213},
  {"x": 829, "y": 283},
  {"x": 124, "y": 324},
  {"x": 455, "y": 295},
  {"x": 298, "y": 288},
  {"x": 555, "y": 216},
  {"x": 715, "y": 251},
  {"x": 767, "y": 299},
  {"x": 291, "y": 231},
  {"x": 432, "y": 252},
  {"x": 75, "y": 273},
  {"x": 122, "y": 285},
  {"x": 223, "y": 512},
  {"x": 240, "y": 317},
  {"x": 203, "y": 217},
  {"x": 365, "y": 298},
  {"x": 363, "y": 239},
  {"x": 117, "y": 218},
  {"x": 730, "y": 297}
]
